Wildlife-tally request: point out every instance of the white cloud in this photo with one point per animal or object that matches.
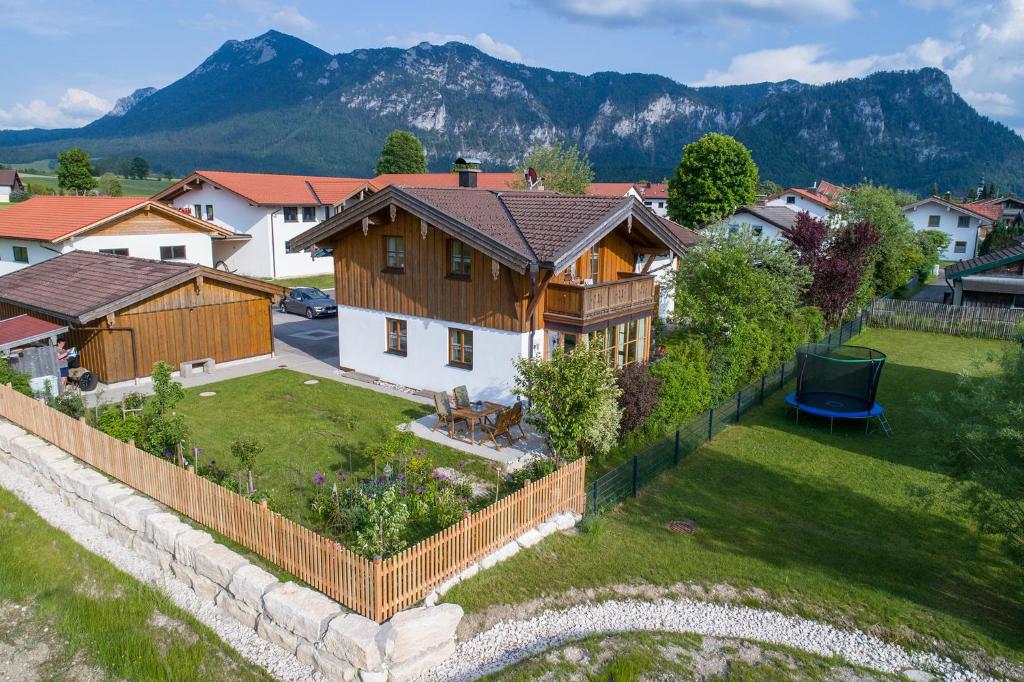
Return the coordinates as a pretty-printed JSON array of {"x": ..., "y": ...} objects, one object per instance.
[
  {"x": 661, "y": 12},
  {"x": 75, "y": 108},
  {"x": 276, "y": 15},
  {"x": 482, "y": 41}
]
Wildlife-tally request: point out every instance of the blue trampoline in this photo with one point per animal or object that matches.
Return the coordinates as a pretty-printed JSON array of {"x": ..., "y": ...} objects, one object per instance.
[{"x": 838, "y": 382}]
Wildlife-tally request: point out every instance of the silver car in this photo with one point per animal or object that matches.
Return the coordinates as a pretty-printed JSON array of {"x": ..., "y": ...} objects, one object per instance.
[{"x": 308, "y": 301}]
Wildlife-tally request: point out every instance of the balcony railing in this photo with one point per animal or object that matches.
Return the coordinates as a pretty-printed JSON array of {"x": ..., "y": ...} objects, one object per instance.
[{"x": 582, "y": 303}]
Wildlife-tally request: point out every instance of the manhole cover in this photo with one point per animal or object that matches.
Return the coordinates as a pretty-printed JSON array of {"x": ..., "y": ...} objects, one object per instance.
[
  {"x": 281, "y": 366},
  {"x": 207, "y": 394},
  {"x": 310, "y": 382},
  {"x": 682, "y": 527}
]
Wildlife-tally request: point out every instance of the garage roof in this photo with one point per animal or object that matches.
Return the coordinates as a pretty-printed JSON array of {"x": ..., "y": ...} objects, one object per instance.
[{"x": 81, "y": 286}]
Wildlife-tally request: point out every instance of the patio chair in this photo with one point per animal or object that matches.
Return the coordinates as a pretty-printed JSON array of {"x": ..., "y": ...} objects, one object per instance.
[
  {"x": 501, "y": 427},
  {"x": 443, "y": 407},
  {"x": 516, "y": 418},
  {"x": 461, "y": 397}
]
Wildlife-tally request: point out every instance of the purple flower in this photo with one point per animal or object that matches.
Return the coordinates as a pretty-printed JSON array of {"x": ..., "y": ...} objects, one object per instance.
[
  {"x": 420, "y": 490},
  {"x": 440, "y": 475},
  {"x": 166, "y": 454},
  {"x": 342, "y": 476},
  {"x": 318, "y": 478}
]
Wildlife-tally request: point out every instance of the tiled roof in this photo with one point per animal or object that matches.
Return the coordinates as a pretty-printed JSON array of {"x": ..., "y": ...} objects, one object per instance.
[
  {"x": 1010, "y": 254},
  {"x": 476, "y": 207},
  {"x": 810, "y": 195},
  {"x": 609, "y": 189},
  {"x": 553, "y": 222},
  {"x": 25, "y": 329},
  {"x": 656, "y": 190},
  {"x": 332, "y": 191},
  {"x": 961, "y": 208},
  {"x": 779, "y": 216},
  {"x": 8, "y": 176},
  {"x": 76, "y": 285},
  {"x": 271, "y": 189},
  {"x": 827, "y": 189},
  {"x": 499, "y": 181},
  {"x": 986, "y": 208},
  {"x": 52, "y": 218}
]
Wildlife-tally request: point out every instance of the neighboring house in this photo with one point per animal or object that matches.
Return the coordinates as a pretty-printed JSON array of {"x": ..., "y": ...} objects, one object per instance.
[
  {"x": 995, "y": 279},
  {"x": 10, "y": 182},
  {"x": 1009, "y": 208},
  {"x": 766, "y": 222},
  {"x": 125, "y": 314},
  {"x": 655, "y": 196},
  {"x": 961, "y": 223},
  {"x": 264, "y": 211},
  {"x": 43, "y": 227},
  {"x": 443, "y": 287},
  {"x": 820, "y": 200}
]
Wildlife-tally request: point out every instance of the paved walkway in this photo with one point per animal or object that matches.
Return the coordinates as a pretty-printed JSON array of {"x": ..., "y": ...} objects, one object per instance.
[{"x": 519, "y": 453}]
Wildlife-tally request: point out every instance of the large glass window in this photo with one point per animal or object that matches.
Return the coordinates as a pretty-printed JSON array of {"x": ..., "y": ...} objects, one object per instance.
[
  {"x": 397, "y": 336},
  {"x": 460, "y": 348},
  {"x": 394, "y": 254},
  {"x": 460, "y": 259}
]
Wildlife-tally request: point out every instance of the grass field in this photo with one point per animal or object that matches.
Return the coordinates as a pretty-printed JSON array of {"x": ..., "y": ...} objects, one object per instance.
[
  {"x": 129, "y": 187},
  {"x": 322, "y": 427},
  {"x": 841, "y": 527},
  {"x": 66, "y": 614},
  {"x": 318, "y": 281}
]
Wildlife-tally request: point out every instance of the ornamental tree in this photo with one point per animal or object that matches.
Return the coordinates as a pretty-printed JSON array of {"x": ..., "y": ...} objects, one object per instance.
[
  {"x": 74, "y": 171},
  {"x": 402, "y": 153},
  {"x": 573, "y": 400},
  {"x": 716, "y": 176},
  {"x": 837, "y": 258},
  {"x": 564, "y": 169}
]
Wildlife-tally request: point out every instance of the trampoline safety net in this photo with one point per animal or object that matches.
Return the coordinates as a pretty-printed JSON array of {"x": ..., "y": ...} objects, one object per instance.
[{"x": 838, "y": 379}]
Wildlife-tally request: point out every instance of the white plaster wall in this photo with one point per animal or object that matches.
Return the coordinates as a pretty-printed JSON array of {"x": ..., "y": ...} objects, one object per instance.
[
  {"x": 198, "y": 246},
  {"x": 658, "y": 210},
  {"x": 301, "y": 263},
  {"x": 37, "y": 253},
  {"x": 750, "y": 222},
  {"x": 801, "y": 204},
  {"x": 5, "y": 194},
  {"x": 362, "y": 346},
  {"x": 948, "y": 220}
]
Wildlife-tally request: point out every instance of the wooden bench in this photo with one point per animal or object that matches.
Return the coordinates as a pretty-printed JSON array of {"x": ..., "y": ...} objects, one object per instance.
[{"x": 189, "y": 367}]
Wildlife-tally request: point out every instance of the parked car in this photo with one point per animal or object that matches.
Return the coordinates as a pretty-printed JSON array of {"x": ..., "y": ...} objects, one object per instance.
[{"x": 308, "y": 301}]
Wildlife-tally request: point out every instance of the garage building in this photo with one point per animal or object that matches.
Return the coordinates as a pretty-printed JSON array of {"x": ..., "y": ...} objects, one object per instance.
[{"x": 125, "y": 314}]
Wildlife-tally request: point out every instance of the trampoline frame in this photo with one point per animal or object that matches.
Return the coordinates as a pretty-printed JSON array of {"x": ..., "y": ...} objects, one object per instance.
[{"x": 876, "y": 410}]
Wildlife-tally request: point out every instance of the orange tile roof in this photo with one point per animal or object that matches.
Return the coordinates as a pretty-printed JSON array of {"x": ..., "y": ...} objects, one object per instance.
[
  {"x": 336, "y": 190},
  {"x": 272, "y": 189},
  {"x": 497, "y": 181},
  {"x": 832, "y": 191},
  {"x": 986, "y": 208},
  {"x": 609, "y": 189},
  {"x": 656, "y": 190},
  {"x": 810, "y": 195},
  {"x": 54, "y": 218}
]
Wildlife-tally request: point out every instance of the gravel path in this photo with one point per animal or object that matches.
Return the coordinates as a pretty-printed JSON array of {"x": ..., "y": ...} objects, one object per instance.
[
  {"x": 276, "y": 661},
  {"x": 511, "y": 641}
]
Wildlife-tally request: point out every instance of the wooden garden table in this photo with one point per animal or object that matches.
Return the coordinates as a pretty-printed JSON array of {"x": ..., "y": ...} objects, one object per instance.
[{"x": 476, "y": 411}]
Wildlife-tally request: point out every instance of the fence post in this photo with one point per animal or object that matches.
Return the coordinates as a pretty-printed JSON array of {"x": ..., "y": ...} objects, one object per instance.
[
  {"x": 596, "y": 508},
  {"x": 763, "y": 377},
  {"x": 782, "y": 375},
  {"x": 711, "y": 420},
  {"x": 675, "y": 455},
  {"x": 739, "y": 402},
  {"x": 636, "y": 473},
  {"x": 378, "y": 589}
]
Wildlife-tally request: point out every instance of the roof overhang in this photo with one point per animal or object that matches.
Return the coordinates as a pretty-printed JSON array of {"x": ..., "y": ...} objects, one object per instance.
[
  {"x": 949, "y": 206},
  {"x": 44, "y": 330},
  {"x": 1004, "y": 285},
  {"x": 393, "y": 195},
  {"x": 147, "y": 206}
]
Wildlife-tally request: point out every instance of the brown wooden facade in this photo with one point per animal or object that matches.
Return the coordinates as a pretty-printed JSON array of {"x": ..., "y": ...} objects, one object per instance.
[{"x": 200, "y": 318}]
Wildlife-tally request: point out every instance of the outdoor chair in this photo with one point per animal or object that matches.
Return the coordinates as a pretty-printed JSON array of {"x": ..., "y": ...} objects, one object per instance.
[
  {"x": 443, "y": 406},
  {"x": 461, "y": 397},
  {"x": 501, "y": 427},
  {"x": 516, "y": 418}
]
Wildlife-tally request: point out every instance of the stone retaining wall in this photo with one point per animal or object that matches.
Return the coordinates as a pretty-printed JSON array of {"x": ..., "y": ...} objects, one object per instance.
[{"x": 339, "y": 643}]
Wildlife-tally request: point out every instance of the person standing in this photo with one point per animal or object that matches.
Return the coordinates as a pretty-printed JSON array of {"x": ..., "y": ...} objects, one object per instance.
[{"x": 63, "y": 353}]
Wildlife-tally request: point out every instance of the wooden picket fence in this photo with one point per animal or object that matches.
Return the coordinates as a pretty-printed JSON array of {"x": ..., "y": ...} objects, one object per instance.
[
  {"x": 376, "y": 589},
  {"x": 978, "y": 321}
]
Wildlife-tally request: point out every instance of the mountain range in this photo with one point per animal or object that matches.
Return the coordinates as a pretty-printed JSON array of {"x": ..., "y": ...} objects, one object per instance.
[{"x": 276, "y": 103}]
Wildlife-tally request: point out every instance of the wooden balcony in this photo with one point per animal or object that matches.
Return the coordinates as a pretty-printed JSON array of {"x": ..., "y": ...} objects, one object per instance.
[{"x": 586, "y": 303}]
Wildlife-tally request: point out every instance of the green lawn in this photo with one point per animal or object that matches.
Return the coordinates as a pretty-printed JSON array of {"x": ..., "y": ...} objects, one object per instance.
[
  {"x": 129, "y": 187},
  {"x": 324, "y": 427},
  {"x": 833, "y": 526},
  {"x": 68, "y": 614},
  {"x": 318, "y": 281}
]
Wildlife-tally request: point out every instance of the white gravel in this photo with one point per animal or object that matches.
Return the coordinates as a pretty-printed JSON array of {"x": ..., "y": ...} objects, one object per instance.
[
  {"x": 278, "y": 662},
  {"x": 508, "y": 642}
]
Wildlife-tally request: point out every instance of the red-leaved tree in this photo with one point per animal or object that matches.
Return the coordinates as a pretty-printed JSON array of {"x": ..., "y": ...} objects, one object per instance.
[{"x": 837, "y": 257}]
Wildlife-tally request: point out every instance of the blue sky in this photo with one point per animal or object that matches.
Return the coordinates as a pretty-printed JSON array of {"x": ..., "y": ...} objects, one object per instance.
[{"x": 66, "y": 62}]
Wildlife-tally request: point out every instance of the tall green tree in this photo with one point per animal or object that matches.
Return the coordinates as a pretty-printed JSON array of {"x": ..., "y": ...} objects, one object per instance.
[
  {"x": 109, "y": 185},
  {"x": 74, "y": 171},
  {"x": 402, "y": 153},
  {"x": 139, "y": 168},
  {"x": 564, "y": 169},
  {"x": 716, "y": 176},
  {"x": 897, "y": 255}
]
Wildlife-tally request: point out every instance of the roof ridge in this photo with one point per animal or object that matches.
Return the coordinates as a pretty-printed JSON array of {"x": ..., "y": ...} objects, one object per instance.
[{"x": 519, "y": 230}]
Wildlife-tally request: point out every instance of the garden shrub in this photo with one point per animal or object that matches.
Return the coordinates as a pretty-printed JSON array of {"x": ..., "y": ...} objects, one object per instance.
[
  {"x": 121, "y": 426},
  {"x": 247, "y": 450},
  {"x": 19, "y": 381},
  {"x": 535, "y": 470},
  {"x": 686, "y": 383},
  {"x": 70, "y": 402},
  {"x": 639, "y": 395}
]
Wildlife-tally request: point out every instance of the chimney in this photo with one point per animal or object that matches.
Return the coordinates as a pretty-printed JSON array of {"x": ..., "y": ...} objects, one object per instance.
[{"x": 467, "y": 169}]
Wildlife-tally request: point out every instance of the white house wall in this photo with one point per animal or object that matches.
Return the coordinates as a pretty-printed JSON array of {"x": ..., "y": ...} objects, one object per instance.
[
  {"x": 256, "y": 257},
  {"x": 948, "y": 220},
  {"x": 362, "y": 346},
  {"x": 198, "y": 245},
  {"x": 800, "y": 204},
  {"x": 37, "y": 253},
  {"x": 748, "y": 221},
  {"x": 5, "y": 194}
]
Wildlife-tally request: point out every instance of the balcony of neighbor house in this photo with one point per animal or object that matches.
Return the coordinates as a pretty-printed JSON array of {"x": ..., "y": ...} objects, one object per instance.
[{"x": 579, "y": 303}]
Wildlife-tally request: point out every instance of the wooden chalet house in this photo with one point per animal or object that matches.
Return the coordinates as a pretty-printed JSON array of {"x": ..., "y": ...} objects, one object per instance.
[{"x": 439, "y": 287}]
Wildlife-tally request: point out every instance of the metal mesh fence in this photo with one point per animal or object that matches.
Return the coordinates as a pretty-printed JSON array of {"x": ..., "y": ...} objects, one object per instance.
[{"x": 628, "y": 478}]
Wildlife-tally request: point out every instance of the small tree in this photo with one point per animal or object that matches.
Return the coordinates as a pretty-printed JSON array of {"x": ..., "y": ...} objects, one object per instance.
[
  {"x": 402, "y": 153},
  {"x": 639, "y": 395},
  {"x": 139, "y": 168},
  {"x": 896, "y": 257},
  {"x": 837, "y": 258},
  {"x": 247, "y": 451},
  {"x": 564, "y": 169},
  {"x": 109, "y": 185},
  {"x": 162, "y": 431},
  {"x": 716, "y": 176},
  {"x": 573, "y": 400},
  {"x": 74, "y": 171},
  {"x": 933, "y": 244}
]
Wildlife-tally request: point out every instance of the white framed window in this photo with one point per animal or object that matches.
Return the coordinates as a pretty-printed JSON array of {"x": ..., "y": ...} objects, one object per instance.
[
  {"x": 115, "y": 252},
  {"x": 172, "y": 252},
  {"x": 959, "y": 247},
  {"x": 934, "y": 220}
]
